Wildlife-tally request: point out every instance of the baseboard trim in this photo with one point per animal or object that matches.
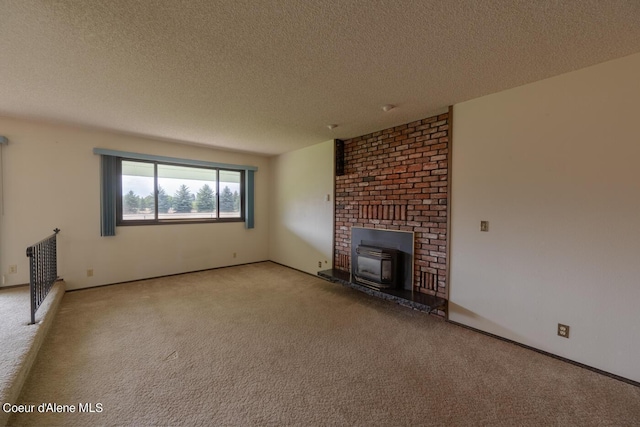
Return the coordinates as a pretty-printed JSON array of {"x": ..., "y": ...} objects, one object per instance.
[
  {"x": 293, "y": 268},
  {"x": 555, "y": 356},
  {"x": 13, "y": 286},
  {"x": 165, "y": 275}
]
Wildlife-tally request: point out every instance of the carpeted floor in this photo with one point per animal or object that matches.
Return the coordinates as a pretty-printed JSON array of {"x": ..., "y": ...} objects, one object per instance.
[
  {"x": 15, "y": 335},
  {"x": 20, "y": 340},
  {"x": 262, "y": 344}
]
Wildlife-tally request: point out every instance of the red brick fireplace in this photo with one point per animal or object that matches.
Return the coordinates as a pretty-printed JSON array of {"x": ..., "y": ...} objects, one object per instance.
[{"x": 398, "y": 179}]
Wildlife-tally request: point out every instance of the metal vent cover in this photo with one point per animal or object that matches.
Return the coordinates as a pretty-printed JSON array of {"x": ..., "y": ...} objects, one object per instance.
[{"x": 373, "y": 252}]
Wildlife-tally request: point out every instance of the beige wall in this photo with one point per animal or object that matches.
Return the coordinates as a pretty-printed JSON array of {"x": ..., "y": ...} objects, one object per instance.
[
  {"x": 554, "y": 167},
  {"x": 301, "y": 218},
  {"x": 51, "y": 179}
]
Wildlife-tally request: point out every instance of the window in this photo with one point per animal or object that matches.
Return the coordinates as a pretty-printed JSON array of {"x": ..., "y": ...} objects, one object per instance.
[
  {"x": 138, "y": 176},
  {"x": 154, "y": 192}
]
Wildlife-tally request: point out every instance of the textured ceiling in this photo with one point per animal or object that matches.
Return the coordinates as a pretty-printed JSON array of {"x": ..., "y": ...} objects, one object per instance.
[{"x": 269, "y": 76}]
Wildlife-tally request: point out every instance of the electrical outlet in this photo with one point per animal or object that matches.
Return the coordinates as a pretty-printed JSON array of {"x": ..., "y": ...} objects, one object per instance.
[
  {"x": 90, "y": 272},
  {"x": 563, "y": 330},
  {"x": 13, "y": 269},
  {"x": 319, "y": 264},
  {"x": 235, "y": 254},
  {"x": 484, "y": 225}
]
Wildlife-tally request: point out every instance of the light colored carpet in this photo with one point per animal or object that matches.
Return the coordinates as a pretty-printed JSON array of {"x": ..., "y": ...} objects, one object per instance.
[
  {"x": 262, "y": 344},
  {"x": 20, "y": 341}
]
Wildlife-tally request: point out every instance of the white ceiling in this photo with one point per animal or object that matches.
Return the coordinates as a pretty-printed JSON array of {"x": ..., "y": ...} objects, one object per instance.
[{"x": 269, "y": 76}]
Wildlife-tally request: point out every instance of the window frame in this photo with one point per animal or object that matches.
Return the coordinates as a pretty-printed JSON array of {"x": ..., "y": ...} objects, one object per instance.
[{"x": 120, "y": 221}]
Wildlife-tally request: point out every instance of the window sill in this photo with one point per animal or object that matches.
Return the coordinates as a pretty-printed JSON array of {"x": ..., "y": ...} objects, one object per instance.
[{"x": 177, "y": 221}]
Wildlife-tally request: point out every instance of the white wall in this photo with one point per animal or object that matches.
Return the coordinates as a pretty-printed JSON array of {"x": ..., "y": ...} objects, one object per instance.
[
  {"x": 554, "y": 166},
  {"x": 301, "y": 220},
  {"x": 52, "y": 179}
]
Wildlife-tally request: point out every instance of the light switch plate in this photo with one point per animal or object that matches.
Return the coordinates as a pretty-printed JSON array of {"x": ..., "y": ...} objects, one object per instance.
[{"x": 484, "y": 225}]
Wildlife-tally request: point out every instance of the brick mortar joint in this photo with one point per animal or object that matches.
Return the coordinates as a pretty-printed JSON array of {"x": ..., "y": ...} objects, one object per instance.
[{"x": 361, "y": 204}]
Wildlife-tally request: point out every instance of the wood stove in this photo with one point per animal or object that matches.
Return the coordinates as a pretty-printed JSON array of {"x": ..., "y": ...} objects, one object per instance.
[{"x": 376, "y": 267}]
